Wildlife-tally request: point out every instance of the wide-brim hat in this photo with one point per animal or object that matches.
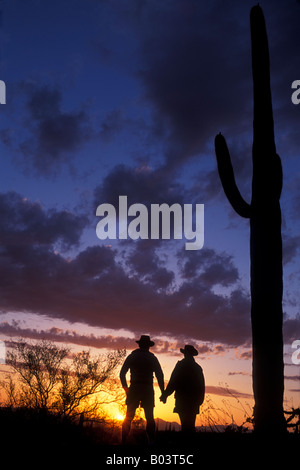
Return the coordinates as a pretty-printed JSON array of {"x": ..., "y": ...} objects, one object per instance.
[
  {"x": 145, "y": 341},
  {"x": 189, "y": 349}
]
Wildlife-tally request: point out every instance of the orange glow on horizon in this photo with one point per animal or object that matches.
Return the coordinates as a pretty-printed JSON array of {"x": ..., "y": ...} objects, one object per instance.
[{"x": 214, "y": 412}]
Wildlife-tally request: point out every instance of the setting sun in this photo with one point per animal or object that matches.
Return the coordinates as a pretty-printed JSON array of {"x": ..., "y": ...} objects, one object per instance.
[{"x": 119, "y": 417}]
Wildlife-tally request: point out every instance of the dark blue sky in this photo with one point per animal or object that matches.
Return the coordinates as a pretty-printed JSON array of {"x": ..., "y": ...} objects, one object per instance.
[{"x": 125, "y": 97}]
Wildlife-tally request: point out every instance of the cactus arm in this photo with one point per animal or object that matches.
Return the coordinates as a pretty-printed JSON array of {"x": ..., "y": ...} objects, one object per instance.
[{"x": 227, "y": 178}]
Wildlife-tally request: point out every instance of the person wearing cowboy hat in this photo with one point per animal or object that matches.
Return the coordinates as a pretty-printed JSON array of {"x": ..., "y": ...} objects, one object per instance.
[
  {"x": 142, "y": 365},
  {"x": 187, "y": 380}
]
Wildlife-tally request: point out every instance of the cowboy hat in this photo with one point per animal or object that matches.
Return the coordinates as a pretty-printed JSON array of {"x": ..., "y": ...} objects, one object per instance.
[
  {"x": 145, "y": 341},
  {"x": 189, "y": 349}
]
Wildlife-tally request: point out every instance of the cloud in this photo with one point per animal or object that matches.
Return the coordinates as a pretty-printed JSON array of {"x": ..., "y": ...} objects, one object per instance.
[
  {"x": 50, "y": 134},
  {"x": 140, "y": 184},
  {"x": 182, "y": 63},
  {"x": 238, "y": 373},
  {"x": 246, "y": 355},
  {"x": 106, "y": 287},
  {"x": 290, "y": 247},
  {"x": 192, "y": 78},
  {"x": 93, "y": 288},
  {"x": 209, "y": 267},
  {"x": 57, "y": 132},
  {"x": 291, "y": 328},
  {"x": 195, "y": 72},
  {"x": 143, "y": 185},
  {"x": 25, "y": 222},
  {"x": 226, "y": 392},
  {"x": 145, "y": 263},
  {"x": 13, "y": 330},
  {"x": 294, "y": 378},
  {"x": 66, "y": 336},
  {"x": 133, "y": 289}
]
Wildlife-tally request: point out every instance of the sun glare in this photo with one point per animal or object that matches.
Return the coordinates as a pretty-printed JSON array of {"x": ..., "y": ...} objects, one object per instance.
[{"x": 119, "y": 417}]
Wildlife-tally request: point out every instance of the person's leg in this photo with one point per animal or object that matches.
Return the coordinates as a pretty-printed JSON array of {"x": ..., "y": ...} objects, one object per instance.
[
  {"x": 191, "y": 421},
  {"x": 127, "y": 423},
  {"x": 150, "y": 427},
  {"x": 187, "y": 422}
]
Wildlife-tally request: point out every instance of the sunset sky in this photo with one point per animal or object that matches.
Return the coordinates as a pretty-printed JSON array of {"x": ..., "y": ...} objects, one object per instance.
[{"x": 124, "y": 97}]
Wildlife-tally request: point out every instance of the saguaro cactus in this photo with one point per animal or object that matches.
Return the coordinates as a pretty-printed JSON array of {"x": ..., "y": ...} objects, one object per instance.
[{"x": 265, "y": 237}]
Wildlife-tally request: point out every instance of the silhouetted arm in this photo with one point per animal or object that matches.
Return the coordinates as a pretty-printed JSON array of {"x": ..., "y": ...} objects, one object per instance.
[
  {"x": 159, "y": 375},
  {"x": 171, "y": 387},
  {"x": 123, "y": 372}
]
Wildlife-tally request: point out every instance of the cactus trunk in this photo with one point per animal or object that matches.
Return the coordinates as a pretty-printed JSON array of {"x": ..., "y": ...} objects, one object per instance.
[{"x": 265, "y": 238}]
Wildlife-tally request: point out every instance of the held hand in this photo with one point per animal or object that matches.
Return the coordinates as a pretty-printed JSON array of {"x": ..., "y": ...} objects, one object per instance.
[{"x": 163, "y": 398}]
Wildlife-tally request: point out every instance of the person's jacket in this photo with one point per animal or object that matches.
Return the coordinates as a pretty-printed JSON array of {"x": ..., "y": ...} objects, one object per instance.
[
  {"x": 187, "y": 380},
  {"x": 142, "y": 365}
]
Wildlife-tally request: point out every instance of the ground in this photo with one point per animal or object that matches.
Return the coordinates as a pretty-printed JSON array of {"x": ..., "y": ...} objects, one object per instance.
[{"x": 42, "y": 439}]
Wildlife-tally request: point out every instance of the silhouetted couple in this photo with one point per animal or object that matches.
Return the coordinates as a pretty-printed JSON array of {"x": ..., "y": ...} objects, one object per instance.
[{"x": 187, "y": 381}]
